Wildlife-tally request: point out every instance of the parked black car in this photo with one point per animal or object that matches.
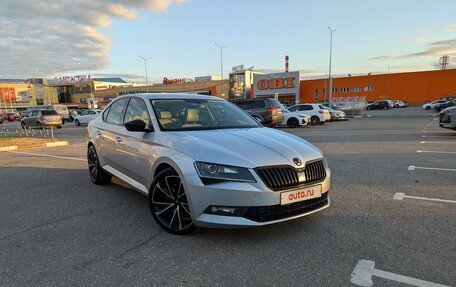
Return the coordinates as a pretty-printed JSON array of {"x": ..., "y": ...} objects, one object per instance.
[
  {"x": 268, "y": 111},
  {"x": 380, "y": 105}
]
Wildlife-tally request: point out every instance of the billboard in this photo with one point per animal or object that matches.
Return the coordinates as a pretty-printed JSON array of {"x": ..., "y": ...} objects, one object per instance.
[
  {"x": 8, "y": 94},
  {"x": 12, "y": 95},
  {"x": 22, "y": 96},
  {"x": 277, "y": 83}
]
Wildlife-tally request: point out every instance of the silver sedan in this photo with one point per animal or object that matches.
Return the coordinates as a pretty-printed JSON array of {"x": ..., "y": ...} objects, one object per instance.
[{"x": 202, "y": 161}]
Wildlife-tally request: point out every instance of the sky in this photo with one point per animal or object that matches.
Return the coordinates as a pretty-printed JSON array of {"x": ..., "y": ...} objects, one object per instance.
[{"x": 69, "y": 37}]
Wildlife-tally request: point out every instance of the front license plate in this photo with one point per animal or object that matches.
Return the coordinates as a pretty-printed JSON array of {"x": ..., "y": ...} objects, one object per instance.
[{"x": 300, "y": 194}]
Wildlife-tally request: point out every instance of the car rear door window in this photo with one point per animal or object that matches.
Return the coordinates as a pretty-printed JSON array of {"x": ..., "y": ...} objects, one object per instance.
[
  {"x": 116, "y": 112},
  {"x": 275, "y": 103},
  {"x": 305, "y": 108}
]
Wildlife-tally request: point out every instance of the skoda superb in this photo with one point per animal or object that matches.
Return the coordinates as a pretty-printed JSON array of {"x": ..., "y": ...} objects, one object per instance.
[{"x": 202, "y": 161}]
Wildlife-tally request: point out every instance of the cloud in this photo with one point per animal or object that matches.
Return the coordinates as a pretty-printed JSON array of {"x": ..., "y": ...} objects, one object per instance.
[
  {"x": 449, "y": 28},
  {"x": 40, "y": 37},
  {"x": 434, "y": 49},
  {"x": 418, "y": 39}
]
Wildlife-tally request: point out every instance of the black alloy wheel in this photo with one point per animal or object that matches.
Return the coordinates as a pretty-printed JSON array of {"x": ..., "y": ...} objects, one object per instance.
[
  {"x": 97, "y": 174},
  {"x": 168, "y": 203},
  {"x": 428, "y": 107},
  {"x": 292, "y": 123},
  {"x": 77, "y": 123},
  {"x": 314, "y": 120}
]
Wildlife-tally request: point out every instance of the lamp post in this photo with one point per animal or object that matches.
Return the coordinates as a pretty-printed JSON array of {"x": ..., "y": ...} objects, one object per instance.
[
  {"x": 145, "y": 69},
  {"x": 330, "y": 62},
  {"x": 221, "y": 58}
]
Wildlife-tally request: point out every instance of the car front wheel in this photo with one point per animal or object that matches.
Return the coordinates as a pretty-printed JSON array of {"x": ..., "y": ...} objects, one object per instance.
[
  {"x": 292, "y": 123},
  {"x": 168, "y": 203},
  {"x": 314, "y": 120},
  {"x": 77, "y": 123}
]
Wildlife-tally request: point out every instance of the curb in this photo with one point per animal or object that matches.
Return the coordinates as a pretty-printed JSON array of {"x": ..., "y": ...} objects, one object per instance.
[
  {"x": 8, "y": 148},
  {"x": 45, "y": 145}
]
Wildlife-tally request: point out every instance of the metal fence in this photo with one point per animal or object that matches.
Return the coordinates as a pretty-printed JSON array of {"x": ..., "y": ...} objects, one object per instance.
[
  {"x": 352, "y": 106},
  {"x": 7, "y": 131}
]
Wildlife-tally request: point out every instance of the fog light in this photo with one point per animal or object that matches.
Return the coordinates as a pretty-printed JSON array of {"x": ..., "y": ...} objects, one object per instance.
[{"x": 222, "y": 209}]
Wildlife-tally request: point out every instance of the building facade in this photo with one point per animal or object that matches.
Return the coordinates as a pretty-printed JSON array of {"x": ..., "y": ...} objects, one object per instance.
[{"x": 413, "y": 87}]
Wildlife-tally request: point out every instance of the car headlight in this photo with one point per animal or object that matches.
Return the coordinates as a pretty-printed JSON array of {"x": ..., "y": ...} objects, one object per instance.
[{"x": 223, "y": 172}]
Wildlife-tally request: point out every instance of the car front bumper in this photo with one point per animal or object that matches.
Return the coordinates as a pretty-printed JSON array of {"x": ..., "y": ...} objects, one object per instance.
[{"x": 255, "y": 204}]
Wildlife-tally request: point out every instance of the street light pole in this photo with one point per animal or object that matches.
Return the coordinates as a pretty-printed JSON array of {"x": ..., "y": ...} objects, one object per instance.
[
  {"x": 221, "y": 58},
  {"x": 330, "y": 62},
  {"x": 145, "y": 69}
]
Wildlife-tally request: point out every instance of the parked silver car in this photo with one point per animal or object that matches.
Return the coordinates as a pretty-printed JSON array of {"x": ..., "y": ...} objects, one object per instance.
[
  {"x": 447, "y": 118},
  {"x": 202, "y": 161},
  {"x": 41, "y": 119}
]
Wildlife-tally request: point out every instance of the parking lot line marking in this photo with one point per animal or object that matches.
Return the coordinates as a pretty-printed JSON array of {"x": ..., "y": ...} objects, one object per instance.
[
  {"x": 435, "y": 151},
  {"x": 412, "y": 167},
  {"x": 423, "y": 136},
  {"x": 401, "y": 196},
  {"x": 49, "y": 155},
  {"x": 365, "y": 269},
  {"x": 437, "y": 142}
]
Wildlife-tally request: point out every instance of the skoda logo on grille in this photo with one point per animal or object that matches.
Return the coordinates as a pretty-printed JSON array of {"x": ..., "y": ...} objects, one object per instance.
[{"x": 297, "y": 161}]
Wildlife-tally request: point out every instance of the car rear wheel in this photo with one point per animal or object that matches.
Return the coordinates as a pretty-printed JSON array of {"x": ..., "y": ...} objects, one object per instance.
[
  {"x": 292, "y": 122},
  {"x": 39, "y": 125},
  {"x": 168, "y": 203},
  {"x": 97, "y": 174},
  {"x": 76, "y": 122},
  {"x": 59, "y": 127},
  {"x": 428, "y": 107},
  {"x": 314, "y": 120}
]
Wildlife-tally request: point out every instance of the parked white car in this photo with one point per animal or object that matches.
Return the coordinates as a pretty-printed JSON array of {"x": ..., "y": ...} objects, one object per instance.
[
  {"x": 86, "y": 116},
  {"x": 317, "y": 112},
  {"x": 431, "y": 105},
  {"x": 295, "y": 119}
]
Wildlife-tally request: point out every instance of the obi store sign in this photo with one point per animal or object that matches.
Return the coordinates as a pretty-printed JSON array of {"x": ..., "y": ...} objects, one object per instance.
[{"x": 280, "y": 83}]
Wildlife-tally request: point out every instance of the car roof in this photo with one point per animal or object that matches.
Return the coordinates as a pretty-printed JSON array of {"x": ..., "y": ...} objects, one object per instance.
[{"x": 174, "y": 96}]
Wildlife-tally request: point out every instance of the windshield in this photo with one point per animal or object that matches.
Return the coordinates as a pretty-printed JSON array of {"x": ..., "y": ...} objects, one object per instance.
[{"x": 197, "y": 114}]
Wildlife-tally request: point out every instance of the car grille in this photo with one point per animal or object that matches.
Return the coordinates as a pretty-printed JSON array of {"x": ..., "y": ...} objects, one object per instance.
[
  {"x": 443, "y": 119},
  {"x": 276, "y": 212},
  {"x": 285, "y": 177}
]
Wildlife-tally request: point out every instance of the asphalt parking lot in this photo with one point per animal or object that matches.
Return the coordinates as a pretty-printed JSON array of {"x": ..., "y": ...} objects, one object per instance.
[{"x": 393, "y": 202}]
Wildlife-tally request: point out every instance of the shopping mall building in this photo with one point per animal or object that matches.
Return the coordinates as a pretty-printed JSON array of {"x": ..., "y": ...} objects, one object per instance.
[{"x": 84, "y": 92}]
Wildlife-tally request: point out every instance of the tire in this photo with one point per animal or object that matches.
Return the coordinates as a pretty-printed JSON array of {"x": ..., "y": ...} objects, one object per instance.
[
  {"x": 59, "y": 127},
  {"x": 428, "y": 108},
  {"x": 385, "y": 108},
  {"x": 314, "y": 120},
  {"x": 39, "y": 125},
  {"x": 168, "y": 203},
  {"x": 368, "y": 108},
  {"x": 293, "y": 123},
  {"x": 96, "y": 173},
  {"x": 77, "y": 123}
]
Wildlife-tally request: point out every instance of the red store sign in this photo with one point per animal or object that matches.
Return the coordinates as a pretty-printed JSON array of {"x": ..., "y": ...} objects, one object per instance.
[{"x": 8, "y": 94}]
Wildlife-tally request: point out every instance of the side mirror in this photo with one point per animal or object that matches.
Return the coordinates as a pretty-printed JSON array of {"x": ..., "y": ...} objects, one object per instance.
[{"x": 137, "y": 126}]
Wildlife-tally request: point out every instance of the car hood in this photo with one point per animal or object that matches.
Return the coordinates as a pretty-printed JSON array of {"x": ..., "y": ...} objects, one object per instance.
[
  {"x": 448, "y": 110},
  {"x": 249, "y": 148}
]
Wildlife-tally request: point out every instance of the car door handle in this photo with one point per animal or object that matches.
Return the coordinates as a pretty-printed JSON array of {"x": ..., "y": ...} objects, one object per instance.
[
  {"x": 118, "y": 139},
  {"x": 98, "y": 133}
]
